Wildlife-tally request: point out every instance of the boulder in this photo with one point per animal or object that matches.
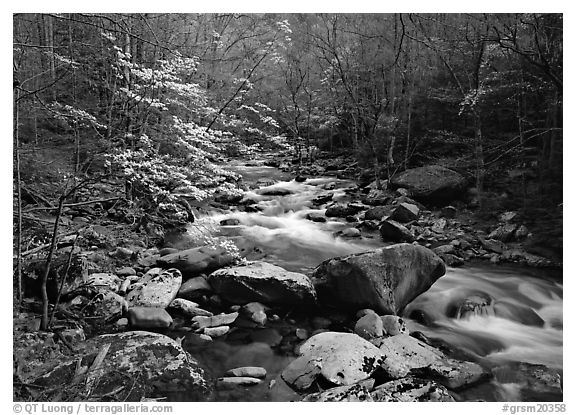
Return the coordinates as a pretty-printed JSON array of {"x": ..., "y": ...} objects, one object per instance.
[
  {"x": 149, "y": 318},
  {"x": 386, "y": 279},
  {"x": 350, "y": 233},
  {"x": 377, "y": 197},
  {"x": 195, "y": 261},
  {"x": 340, "y": 358},
  {"x": 405, "y": 354},
  {"x": 521, "y": 313},
  {"x": 405, "y": 212},
  {"x": 262, "y": 282},
  {"x": 341, "y": 211},
  {"x": 316, "y": 217},
  {"x": 359, "y": 392},
  {"x": 411, "y": 389},
  {"x": 393, "y": 231},
  {"x": 431, "y": 184},
  {"x": 369, "y": 326},
  {"x": 136, "y": 364},
  {"x": 230, "y": 222},
  {"x": 194, "y": 289},
  {"x": 156, "y": 289},
  {"x": 378, "y": 212},
  {"x": 474, "y": 305},
  {"x": 504, "y": 233},
  {"x": 274, "y": 191}
]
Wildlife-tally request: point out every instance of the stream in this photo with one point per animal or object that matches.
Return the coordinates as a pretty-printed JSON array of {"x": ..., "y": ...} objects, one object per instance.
[{"x": 528, "y": 328}]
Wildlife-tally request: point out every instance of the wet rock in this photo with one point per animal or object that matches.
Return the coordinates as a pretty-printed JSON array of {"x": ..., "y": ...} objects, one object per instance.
[
  {"x": 377, "y": 197},
  {"x": 365, "y": 311},
  {"x": 341, "y": 358},
  {"x": 200, "y": 322},
  {"x": 405, "y": 354},
  {"x": 256, "y": 312},
  {"x": 262, "y": 282},
  {"x": 125, "y": 272},
  {"x": 238, "y": 381},
  {"x": 122, "y": 253},
  {"x": 378, "y": 212},
  {"x": 455, "y": 374},
  {"x": 230, "y": 222},
  {"x": 269, "y": 336},
  {"x": 504, "y": 233},
  {"x": 156, "y": 289},
  {"x": 369, "y": 326},
  {"x": 341, "y": 211},
  {"x": 316, "y": 217},
  {"x": 249, "y": 371},
  {"x": 215, "y": 332},
  {"x": 394, "y": 325},
  {"x": 300, "y": 179},
  {"x": 474, "y": 305},
  {"x": 194, "y": 289},
  {"x": 452, "y": 260},
  {"x": 393, "y": 231},
  {"x": 195, "y": 261},
  {"x": 149, "y": 318},
  {"x": 405, "y": 212},
  {"x": 350, "y": 233},
  {"x": 385, "y": 279},
  {"x": 137, "y": 364},
  {"x": 322, "y": 199},
  {"x": 359, "y": 392},
  {"x": 535, "y": 382},
  {"x": 188, "y": 308},
  {"x": 411, "y": 389},
  {"x": 301, "y": 334},
  {"x": 493, "y": 245},
  {"x": 229, "y": 198},
  {"x": 434, "y": 184},
  {"x": 517, "y": 312}
]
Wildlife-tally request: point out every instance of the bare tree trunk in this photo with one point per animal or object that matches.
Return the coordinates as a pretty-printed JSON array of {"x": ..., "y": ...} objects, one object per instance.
[
  {"x": 19, "y": 196},
  {"x": 45, "y": 304},
  {"x": 479, "y": 158}
]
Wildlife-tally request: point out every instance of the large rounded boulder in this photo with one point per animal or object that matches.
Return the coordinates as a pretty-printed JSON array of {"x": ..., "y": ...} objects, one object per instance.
[
  {"x": 386, "y": 279},
  {"x": 195, "y": 261},
  {"x": 131, "y": 366},
  {"x": 339, "y": 358},
  {"x": 262, "y": 282},
  {"x": 432, "y": 184}
]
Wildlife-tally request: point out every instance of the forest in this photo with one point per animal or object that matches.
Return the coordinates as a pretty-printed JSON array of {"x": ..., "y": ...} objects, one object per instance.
[{"x": 227, "y": 199}]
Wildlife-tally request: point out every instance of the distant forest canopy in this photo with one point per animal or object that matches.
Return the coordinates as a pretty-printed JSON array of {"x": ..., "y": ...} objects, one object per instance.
[{"x": 159, "y": 97}]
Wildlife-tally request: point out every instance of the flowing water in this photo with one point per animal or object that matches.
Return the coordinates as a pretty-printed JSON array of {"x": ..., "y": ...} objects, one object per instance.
[{"x": 520, "y": 320}]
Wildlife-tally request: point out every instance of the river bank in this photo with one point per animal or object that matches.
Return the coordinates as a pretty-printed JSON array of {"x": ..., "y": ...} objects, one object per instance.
[{"x": 280, "y": 223}]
